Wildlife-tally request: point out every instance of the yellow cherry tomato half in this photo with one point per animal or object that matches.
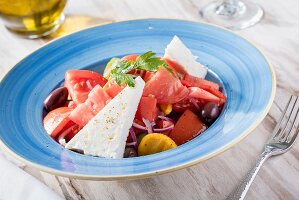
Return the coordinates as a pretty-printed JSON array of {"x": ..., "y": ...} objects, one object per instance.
[
  {"x": 154, "y": 143},
  {"x": 166, "y": 108}
]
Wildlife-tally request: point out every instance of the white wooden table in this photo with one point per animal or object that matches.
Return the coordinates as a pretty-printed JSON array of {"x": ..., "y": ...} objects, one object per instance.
[{"x": 277, "y": 35}]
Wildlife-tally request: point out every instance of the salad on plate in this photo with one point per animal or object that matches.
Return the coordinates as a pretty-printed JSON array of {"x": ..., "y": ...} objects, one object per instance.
[{"x": 141, "y": 105}]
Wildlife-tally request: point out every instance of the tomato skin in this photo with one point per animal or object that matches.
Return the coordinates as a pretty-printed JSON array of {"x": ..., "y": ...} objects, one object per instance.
[
  {"x": 187, "y": 127},
  {"x": 198, "y": 93},
  {"x": 187, "y": 103},
  {"x": 69, "y": 131},
  {"x": 113, "y": 89},
  {"x": 166, "y": 87},
  {"x": 130, "y": 58},
  {"x": 147, "y": 109},
  {"x": 80, "y": 82},
  {"x": 72, "y": 131},
  {"x": 148, "y": 75},
  {"x": 216, "y": 93},
  {"x": 193, "y": 81},
  {"x": 174, "y": 65},
  {"x": 97, "y": 99},
  {"x": 56, "y": 120}
]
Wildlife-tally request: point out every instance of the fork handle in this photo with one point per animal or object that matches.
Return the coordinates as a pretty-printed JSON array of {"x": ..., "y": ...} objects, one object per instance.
[{"x": 240, "y": 192}]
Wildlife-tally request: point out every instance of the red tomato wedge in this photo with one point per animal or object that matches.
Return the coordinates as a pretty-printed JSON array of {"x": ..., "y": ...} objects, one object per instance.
[
  {"x": 187, "y": 127},
  {"x": 131, "y": 57},
  {"x": 69, "y": 131},
  {"x": 188, "y": 103},
  {"x": 174, "y": 65},
  {"x": 148, "y": 75},
  {"x": 147, "y": 109},
  {"x": 166, "y": 87},
  {"x": 113, "y": 89},
  {"x": 193, "y": 81},
  {"x": 217, "y": 93},
  {"x": 80, "y": 82},
  {"x": 56, "y": 120},
  {"x": 97, "y": 99},
  {"x": 199, "y": 93}
]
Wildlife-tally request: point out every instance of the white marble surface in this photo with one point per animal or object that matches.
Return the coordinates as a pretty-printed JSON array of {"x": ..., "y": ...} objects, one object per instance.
[
  {"x": 16, "y": 184},
  {"x": 277, "y": 35}
]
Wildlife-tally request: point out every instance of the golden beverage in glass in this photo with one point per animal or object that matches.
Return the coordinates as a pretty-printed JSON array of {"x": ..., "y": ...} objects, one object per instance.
[{"x": 32, "y": 18}]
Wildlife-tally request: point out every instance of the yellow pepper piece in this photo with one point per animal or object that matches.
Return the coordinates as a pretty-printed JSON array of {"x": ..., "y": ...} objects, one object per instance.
[
  {"x": 166, "y": 108},
  {"x": 154, "y": 143}
]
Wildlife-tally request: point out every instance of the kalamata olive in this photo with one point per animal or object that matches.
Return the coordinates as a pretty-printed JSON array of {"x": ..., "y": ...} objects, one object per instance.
[
  {"x": 210, "y": 112},
  {"x": 56, "y": 98},
  {"x": 130, "y": 152}
]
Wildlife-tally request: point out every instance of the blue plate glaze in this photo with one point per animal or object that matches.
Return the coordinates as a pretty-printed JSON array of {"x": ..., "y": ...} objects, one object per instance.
[{"x": 247, "y": 77}]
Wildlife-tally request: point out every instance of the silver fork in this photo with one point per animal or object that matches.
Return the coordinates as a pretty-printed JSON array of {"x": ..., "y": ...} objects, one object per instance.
[{"x": 283, "y": 137}]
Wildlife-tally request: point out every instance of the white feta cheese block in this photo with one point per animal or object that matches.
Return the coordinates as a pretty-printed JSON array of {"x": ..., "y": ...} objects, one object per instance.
[
  {"x": 178, "y": 52},
  {"x": 105, "y": 134}
]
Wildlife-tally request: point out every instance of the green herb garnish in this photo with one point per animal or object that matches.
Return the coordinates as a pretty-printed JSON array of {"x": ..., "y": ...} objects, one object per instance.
[{"x": 147, "y": 61}]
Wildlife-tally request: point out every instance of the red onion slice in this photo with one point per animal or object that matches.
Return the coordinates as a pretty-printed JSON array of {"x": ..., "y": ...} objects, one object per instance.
[
  {"x": 159, "y": 130},
  {"x": 131, "y": 144},
  {"x": 166, "y": 118},
  {"x": 148, "y": 125},
  {"x": 138, "y": 126},
  {"x": 133, "y": 136}
]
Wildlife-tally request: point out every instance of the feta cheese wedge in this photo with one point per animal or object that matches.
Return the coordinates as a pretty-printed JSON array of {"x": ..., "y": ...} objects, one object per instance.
[
  {"x": 178, "y": 52},
  {"x": 106, "y": 133}
]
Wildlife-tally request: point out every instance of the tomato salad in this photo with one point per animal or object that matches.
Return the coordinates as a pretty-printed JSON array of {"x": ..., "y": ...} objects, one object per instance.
[{"x": 174, "y": 108}]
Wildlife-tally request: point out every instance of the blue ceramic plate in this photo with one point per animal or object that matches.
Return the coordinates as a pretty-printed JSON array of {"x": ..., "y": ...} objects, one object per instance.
[{"x": 247, "y": 77}]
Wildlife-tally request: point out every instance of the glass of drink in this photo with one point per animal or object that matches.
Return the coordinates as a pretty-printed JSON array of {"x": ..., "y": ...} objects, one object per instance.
[
  {"x": 32, "y": 18},
  {"x": 232, "y": 14}
]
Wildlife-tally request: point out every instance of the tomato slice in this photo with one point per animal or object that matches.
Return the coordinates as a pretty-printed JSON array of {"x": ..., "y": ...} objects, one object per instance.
[
  {"x": 174, "y": 65},
  {"x": 113, "y": 89},
  {"x": 187, "y": 127},
  {"x": 80, "y": 82},
  {"x": 130, "y": 58},
  {"x": 166, "y": 87},
  {"x": 189, "y": 103},
  {"x": 193, "y": 81},
  {"x": 147, "y": 109},
  {"x": 68, "y": 131},
  {"x": 199, "y": 93},
  {"x": 72, "y": 130},
  {"x": 97, "y": 99},
  {"x": 148, "y": 75},
  {"x": 56, "y": 120}
]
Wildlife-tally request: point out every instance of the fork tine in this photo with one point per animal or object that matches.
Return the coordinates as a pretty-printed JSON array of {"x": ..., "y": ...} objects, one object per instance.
[
  {"x": 279, "y": 123},
  {"x": 286, "y": 130},
  {"x": 294, "y": 128}
]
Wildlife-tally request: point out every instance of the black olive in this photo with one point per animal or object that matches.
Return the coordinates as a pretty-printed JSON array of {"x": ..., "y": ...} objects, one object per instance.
[
  {"x": 56, "y": 98},
  {"x": 210, "y": 112},
  {"x": 130, "y": 152}
]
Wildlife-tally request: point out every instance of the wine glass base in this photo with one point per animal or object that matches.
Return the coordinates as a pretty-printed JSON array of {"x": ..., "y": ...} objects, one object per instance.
[{"x": 236, "y": 17}]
